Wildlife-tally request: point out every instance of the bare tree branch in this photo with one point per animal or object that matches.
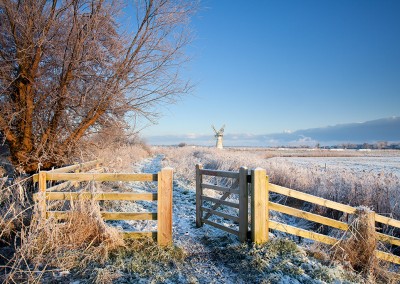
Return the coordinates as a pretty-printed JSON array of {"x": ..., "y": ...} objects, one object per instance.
[{"x": 68, "y": 70}]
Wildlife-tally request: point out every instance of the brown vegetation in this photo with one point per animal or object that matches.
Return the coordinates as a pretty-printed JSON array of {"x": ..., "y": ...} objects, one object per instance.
[
  {"x": 356, "y": 249},
  {"x": 379, "y": 191},
  {"x": 68, "y": 69},
  {"x": 32, "y": 248},
  {"x": 47, "y": 244}
]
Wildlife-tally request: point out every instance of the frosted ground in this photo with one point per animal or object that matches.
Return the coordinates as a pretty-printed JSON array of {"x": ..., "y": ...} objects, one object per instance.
[
  {"x": 209, "y": 255},
  {"x": 213, "y": 256},
  {"x": 375, "y": 165}
]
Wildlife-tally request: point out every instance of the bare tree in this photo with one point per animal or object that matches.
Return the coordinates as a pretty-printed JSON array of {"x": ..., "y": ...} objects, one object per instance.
[{"x": 69, "y": 68}]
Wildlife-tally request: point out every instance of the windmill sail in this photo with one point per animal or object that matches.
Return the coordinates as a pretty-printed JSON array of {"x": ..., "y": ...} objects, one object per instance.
[{"x": 219, "y": 135}]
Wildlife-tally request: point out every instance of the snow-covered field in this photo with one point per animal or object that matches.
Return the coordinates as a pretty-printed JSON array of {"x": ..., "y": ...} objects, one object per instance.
[{"x": 375, "y": 165}]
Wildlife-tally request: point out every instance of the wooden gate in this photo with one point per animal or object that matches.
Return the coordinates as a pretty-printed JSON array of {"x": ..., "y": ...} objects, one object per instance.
[{"x": 240, "y": 190}]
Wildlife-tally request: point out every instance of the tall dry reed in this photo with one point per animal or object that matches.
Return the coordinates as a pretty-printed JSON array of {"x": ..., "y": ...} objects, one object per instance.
[
  {"x": 50, "y": 245},
  {"x": 378, "y": 191}
]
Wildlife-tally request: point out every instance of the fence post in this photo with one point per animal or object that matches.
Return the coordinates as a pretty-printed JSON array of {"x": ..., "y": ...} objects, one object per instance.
[
  {"x": 199, "y": 193},
  {"x": 371, "y": 224},
  {"x": 259, "y": 203},
  {"x": 266, "y": 188},
  {"x": 42, "y": 193},
  {"x": 165, "y": 187},
  {"x": 371, "y": 220},
  {"x": 76, "y": 183},
  {"x": 243, "y": 204}
]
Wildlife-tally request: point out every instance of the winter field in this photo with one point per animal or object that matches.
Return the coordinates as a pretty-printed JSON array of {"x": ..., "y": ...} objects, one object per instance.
[
  {"x": 377, "y": 165},
  {"x": 85, "y": 249}
]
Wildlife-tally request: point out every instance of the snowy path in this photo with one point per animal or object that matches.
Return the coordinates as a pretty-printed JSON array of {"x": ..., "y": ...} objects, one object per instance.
[
  {"x": 199, "y": 243},
  {"x": 213, "y": 256}
]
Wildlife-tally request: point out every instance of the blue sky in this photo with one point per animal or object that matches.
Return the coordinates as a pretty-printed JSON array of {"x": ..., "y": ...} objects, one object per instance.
[{"x": 265, "y": 67}]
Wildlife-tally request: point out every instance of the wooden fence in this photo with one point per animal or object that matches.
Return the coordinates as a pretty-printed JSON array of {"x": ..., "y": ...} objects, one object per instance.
[
  {"x": 259, "y": 190},
  {"x": 163, "y": 235}
]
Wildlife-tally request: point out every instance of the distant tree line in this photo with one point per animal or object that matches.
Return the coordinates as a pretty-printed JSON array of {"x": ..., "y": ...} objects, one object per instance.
[
  {"x": 377, "y": 145},
  {"x": 380, "y": 145}
]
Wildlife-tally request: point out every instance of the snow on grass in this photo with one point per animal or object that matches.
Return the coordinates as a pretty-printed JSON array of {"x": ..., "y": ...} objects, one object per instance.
[
  {"x": 214, "y": 256},
  {"x": 376, "y": 165}
]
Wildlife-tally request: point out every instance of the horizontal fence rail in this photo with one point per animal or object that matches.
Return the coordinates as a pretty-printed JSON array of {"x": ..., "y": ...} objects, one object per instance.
[
  {"x": 325, "y": 220},
  {"x": 217, "y": 173},
  {"x": 311, "y": 198},
  {"x": 302, "y": 233},
  {"x": 220, "y": 188},
  {"x": 260, "y": 190},
  {"x": 73, "y": 168},
  {"x": 307, "y": 215},
  {"x": 163, "y": 216},
  {"x": 101, "y": 177},
  {"x": 109, "y": 215},
  {"x": 125, "y": 196}
]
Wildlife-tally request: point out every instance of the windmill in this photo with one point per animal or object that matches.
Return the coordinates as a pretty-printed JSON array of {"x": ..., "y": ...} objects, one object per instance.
[{"x": 219, "y": 135}]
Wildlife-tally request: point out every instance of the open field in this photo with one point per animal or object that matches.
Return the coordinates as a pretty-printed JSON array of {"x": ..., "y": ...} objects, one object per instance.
[
  {"x": 314, "y": 152},
  {"x": 45, "y": 252},
  {"x": 377, "y": 165},
  {"x": 366, "y": 178}
]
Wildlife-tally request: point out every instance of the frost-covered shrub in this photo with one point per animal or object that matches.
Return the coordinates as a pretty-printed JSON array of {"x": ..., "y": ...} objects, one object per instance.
[{"x": 379, "y": 191}]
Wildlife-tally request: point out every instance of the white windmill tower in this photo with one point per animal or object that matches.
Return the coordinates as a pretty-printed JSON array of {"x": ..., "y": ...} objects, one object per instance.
[{"x": 219, "y": 135}]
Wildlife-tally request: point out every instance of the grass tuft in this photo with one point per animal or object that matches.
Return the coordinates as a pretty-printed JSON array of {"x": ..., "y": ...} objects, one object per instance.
[{"x": 80, "y": 239}]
